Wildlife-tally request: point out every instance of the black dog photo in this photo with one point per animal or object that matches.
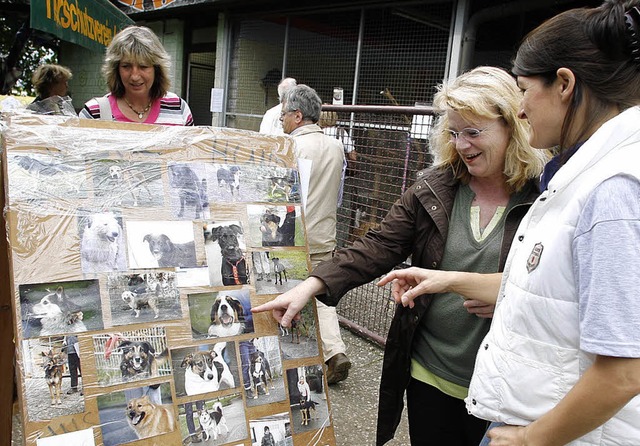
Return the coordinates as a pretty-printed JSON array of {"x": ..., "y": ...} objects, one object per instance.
[
  {"x": 307, "y": 398},
  {"x": 189, "y": 195},
  {"x": 226, "y": 253},
  {"x": 161, "y": 244}
]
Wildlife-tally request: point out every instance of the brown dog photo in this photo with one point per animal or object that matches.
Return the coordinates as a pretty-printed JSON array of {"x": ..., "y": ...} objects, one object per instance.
[{"x": 136, "y": 413}]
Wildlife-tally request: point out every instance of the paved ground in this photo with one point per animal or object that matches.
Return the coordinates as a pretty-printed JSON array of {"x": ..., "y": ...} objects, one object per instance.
[{"x": 354, "y": 401}]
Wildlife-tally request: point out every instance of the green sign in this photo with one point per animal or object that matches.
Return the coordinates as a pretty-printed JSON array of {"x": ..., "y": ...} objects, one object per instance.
[{"x": 90, "y": 23}]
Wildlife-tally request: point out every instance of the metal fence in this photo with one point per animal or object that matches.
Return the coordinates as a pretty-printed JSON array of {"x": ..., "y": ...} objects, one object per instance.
[{"x": 392, "y": 146}]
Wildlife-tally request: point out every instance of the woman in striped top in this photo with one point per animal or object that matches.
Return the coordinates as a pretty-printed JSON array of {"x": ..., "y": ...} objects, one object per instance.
[{"x": 136, "y": 69}]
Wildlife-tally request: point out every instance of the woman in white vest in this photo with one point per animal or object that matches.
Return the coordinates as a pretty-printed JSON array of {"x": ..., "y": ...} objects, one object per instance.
[{"x": 561, "y": 362}]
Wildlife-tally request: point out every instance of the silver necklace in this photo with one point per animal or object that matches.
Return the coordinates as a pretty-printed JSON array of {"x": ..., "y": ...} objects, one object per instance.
[{"x": 139, "y": 113}]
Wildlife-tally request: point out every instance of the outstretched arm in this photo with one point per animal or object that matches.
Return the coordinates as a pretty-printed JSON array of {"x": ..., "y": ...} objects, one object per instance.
[
  {"x": 412, "y": 282},
  {"x": 287, "y": 306}
]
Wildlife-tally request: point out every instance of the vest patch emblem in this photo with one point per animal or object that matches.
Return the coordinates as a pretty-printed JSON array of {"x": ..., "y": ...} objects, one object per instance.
[{"x": 534, "y": 258}]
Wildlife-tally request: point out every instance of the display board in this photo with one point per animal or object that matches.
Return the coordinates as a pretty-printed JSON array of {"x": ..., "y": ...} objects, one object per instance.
[{"x": 136, "y": 253}]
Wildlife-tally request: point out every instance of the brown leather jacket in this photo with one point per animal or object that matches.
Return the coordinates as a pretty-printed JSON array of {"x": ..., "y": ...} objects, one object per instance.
[{"x": 417, "y": 225}]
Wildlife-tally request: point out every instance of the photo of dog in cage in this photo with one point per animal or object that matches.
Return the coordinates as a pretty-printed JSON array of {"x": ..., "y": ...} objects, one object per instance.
[{"x": 131, "y": 356}]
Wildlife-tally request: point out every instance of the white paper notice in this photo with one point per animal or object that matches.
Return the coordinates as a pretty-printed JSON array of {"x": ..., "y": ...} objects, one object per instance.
[
  {"x": 217, "y": 95},
  {"x": 78, "y": 438},
  {"x": 304, "y": 170}
]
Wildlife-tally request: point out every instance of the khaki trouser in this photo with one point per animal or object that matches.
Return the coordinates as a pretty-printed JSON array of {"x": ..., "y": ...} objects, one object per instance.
[{"x": 332, "y": 342}]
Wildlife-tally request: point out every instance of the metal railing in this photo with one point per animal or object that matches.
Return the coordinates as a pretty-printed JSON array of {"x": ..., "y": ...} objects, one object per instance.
[{"x": 391, "y": 143}]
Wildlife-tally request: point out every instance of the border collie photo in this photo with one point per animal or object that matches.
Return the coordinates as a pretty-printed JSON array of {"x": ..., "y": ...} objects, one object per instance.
[
  {"x": 213, "y": 421},
  {"x": 226, "y": 253},
  {"x": 262, "y": 371},
  {"x": 161, "y": 244},
  {"x": 126, "y": 183},
  {"x": 47, "y": 382},
  {"x": 136, "y": 413},
  {"x": 274, "y": 226},
  {"x": 307, "y": 398},
  {"x": 131, "y": 356},
  {"x": 143, "y": 297},
  {"x": 220, "y": 314},
  {"x": 205, "y": 368},
  {"x": 60, "y": 307},
  {"x": 102, "y": 245}
]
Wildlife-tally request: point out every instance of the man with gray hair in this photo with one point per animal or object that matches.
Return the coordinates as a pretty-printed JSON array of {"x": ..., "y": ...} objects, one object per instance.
[
  {"x": 301, "y": 108},
  {"x": 271, "y": 124}
]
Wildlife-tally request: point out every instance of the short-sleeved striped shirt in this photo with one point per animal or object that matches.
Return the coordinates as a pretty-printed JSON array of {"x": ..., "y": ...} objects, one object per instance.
[{"x": 168, "y": 110}]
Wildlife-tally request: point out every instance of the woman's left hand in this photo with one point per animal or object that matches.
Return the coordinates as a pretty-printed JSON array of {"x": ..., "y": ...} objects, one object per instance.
[
  {"x": 479, "y": 308},
  {"x": 507, "y": 436}
]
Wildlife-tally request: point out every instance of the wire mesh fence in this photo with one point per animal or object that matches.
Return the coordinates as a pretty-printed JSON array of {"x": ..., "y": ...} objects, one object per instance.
[{"x": 391, "y": 144}]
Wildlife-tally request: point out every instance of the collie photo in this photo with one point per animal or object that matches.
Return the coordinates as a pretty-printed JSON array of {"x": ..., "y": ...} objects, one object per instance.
[{"x": 161, "y": 244}]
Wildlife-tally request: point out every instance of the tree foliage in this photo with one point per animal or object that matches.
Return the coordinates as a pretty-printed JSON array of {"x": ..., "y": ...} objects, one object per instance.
[{"x": 34, "y": 53}]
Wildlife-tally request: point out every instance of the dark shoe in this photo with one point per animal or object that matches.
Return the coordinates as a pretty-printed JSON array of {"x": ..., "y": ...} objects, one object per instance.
[
  {"x": 71, "y": 391},
  {"x": 338, "y": 368},
  {"x": 250, "y": 394}
]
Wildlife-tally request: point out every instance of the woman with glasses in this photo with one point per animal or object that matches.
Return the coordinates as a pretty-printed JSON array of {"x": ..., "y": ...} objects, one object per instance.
[
  {"x": 461, "y": 214},
  {"x": 561, "y": 363}
]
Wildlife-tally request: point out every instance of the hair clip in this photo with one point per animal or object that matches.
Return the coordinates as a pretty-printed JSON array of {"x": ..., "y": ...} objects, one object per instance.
[{"x": 632, "y": 20}]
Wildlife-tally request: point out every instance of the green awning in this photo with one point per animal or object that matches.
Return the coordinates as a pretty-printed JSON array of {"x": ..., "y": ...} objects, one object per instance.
[{"x": 90, "y": 23}]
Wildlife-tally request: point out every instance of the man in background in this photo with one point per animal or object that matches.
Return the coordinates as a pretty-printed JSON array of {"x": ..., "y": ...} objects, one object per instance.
[
  {"x": 301, "y": 108},
  {"x": 271, "y": 124}
]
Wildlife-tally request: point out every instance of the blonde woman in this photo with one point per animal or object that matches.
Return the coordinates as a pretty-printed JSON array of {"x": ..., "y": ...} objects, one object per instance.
[{"x": 461, "y": 214}]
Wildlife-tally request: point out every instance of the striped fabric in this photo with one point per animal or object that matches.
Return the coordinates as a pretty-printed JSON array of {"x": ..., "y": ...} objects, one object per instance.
[{"x": 168, "y": 110}]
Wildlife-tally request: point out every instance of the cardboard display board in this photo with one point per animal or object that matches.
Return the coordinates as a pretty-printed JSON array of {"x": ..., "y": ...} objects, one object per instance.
[{"x": 135, "y": 254}]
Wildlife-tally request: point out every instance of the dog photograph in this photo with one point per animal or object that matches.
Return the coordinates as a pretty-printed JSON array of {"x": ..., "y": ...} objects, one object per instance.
[
  {"x": 131, "y": 356},
  {"x": 51, "y": 176},
  {"x": 271, "y": 430},
  {"x": 275, "y": 226},
  {"x": 143, "y": 297},
  {"x": 47, "y": 380},
  {"x": 205, "y": 368},
  {"x": 307, "y": 398},
  {"x": 134, "y": 414},
  {"x": 220, "y": 314},
  {"x": 102, "y": 244},
  {"x": 281, "y": 270},
  {"x": 213, "y": 421},
  {"x": 225, "y": 250},
  {"x": 252, "y": 183},
  {"x": 58, "y": 308},
  {"x": 161, "y": 244},
  {"x": 127, "y": 184},
  {"x": 300, "y": 340},
  {"x": 262, "y": 371},
  {"x": 188, "y": 194}
]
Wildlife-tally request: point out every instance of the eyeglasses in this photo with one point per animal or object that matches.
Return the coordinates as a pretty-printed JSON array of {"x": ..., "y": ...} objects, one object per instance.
[
  {"x": 283, "y": 113},
  {"x": 468, "y": 133}
]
